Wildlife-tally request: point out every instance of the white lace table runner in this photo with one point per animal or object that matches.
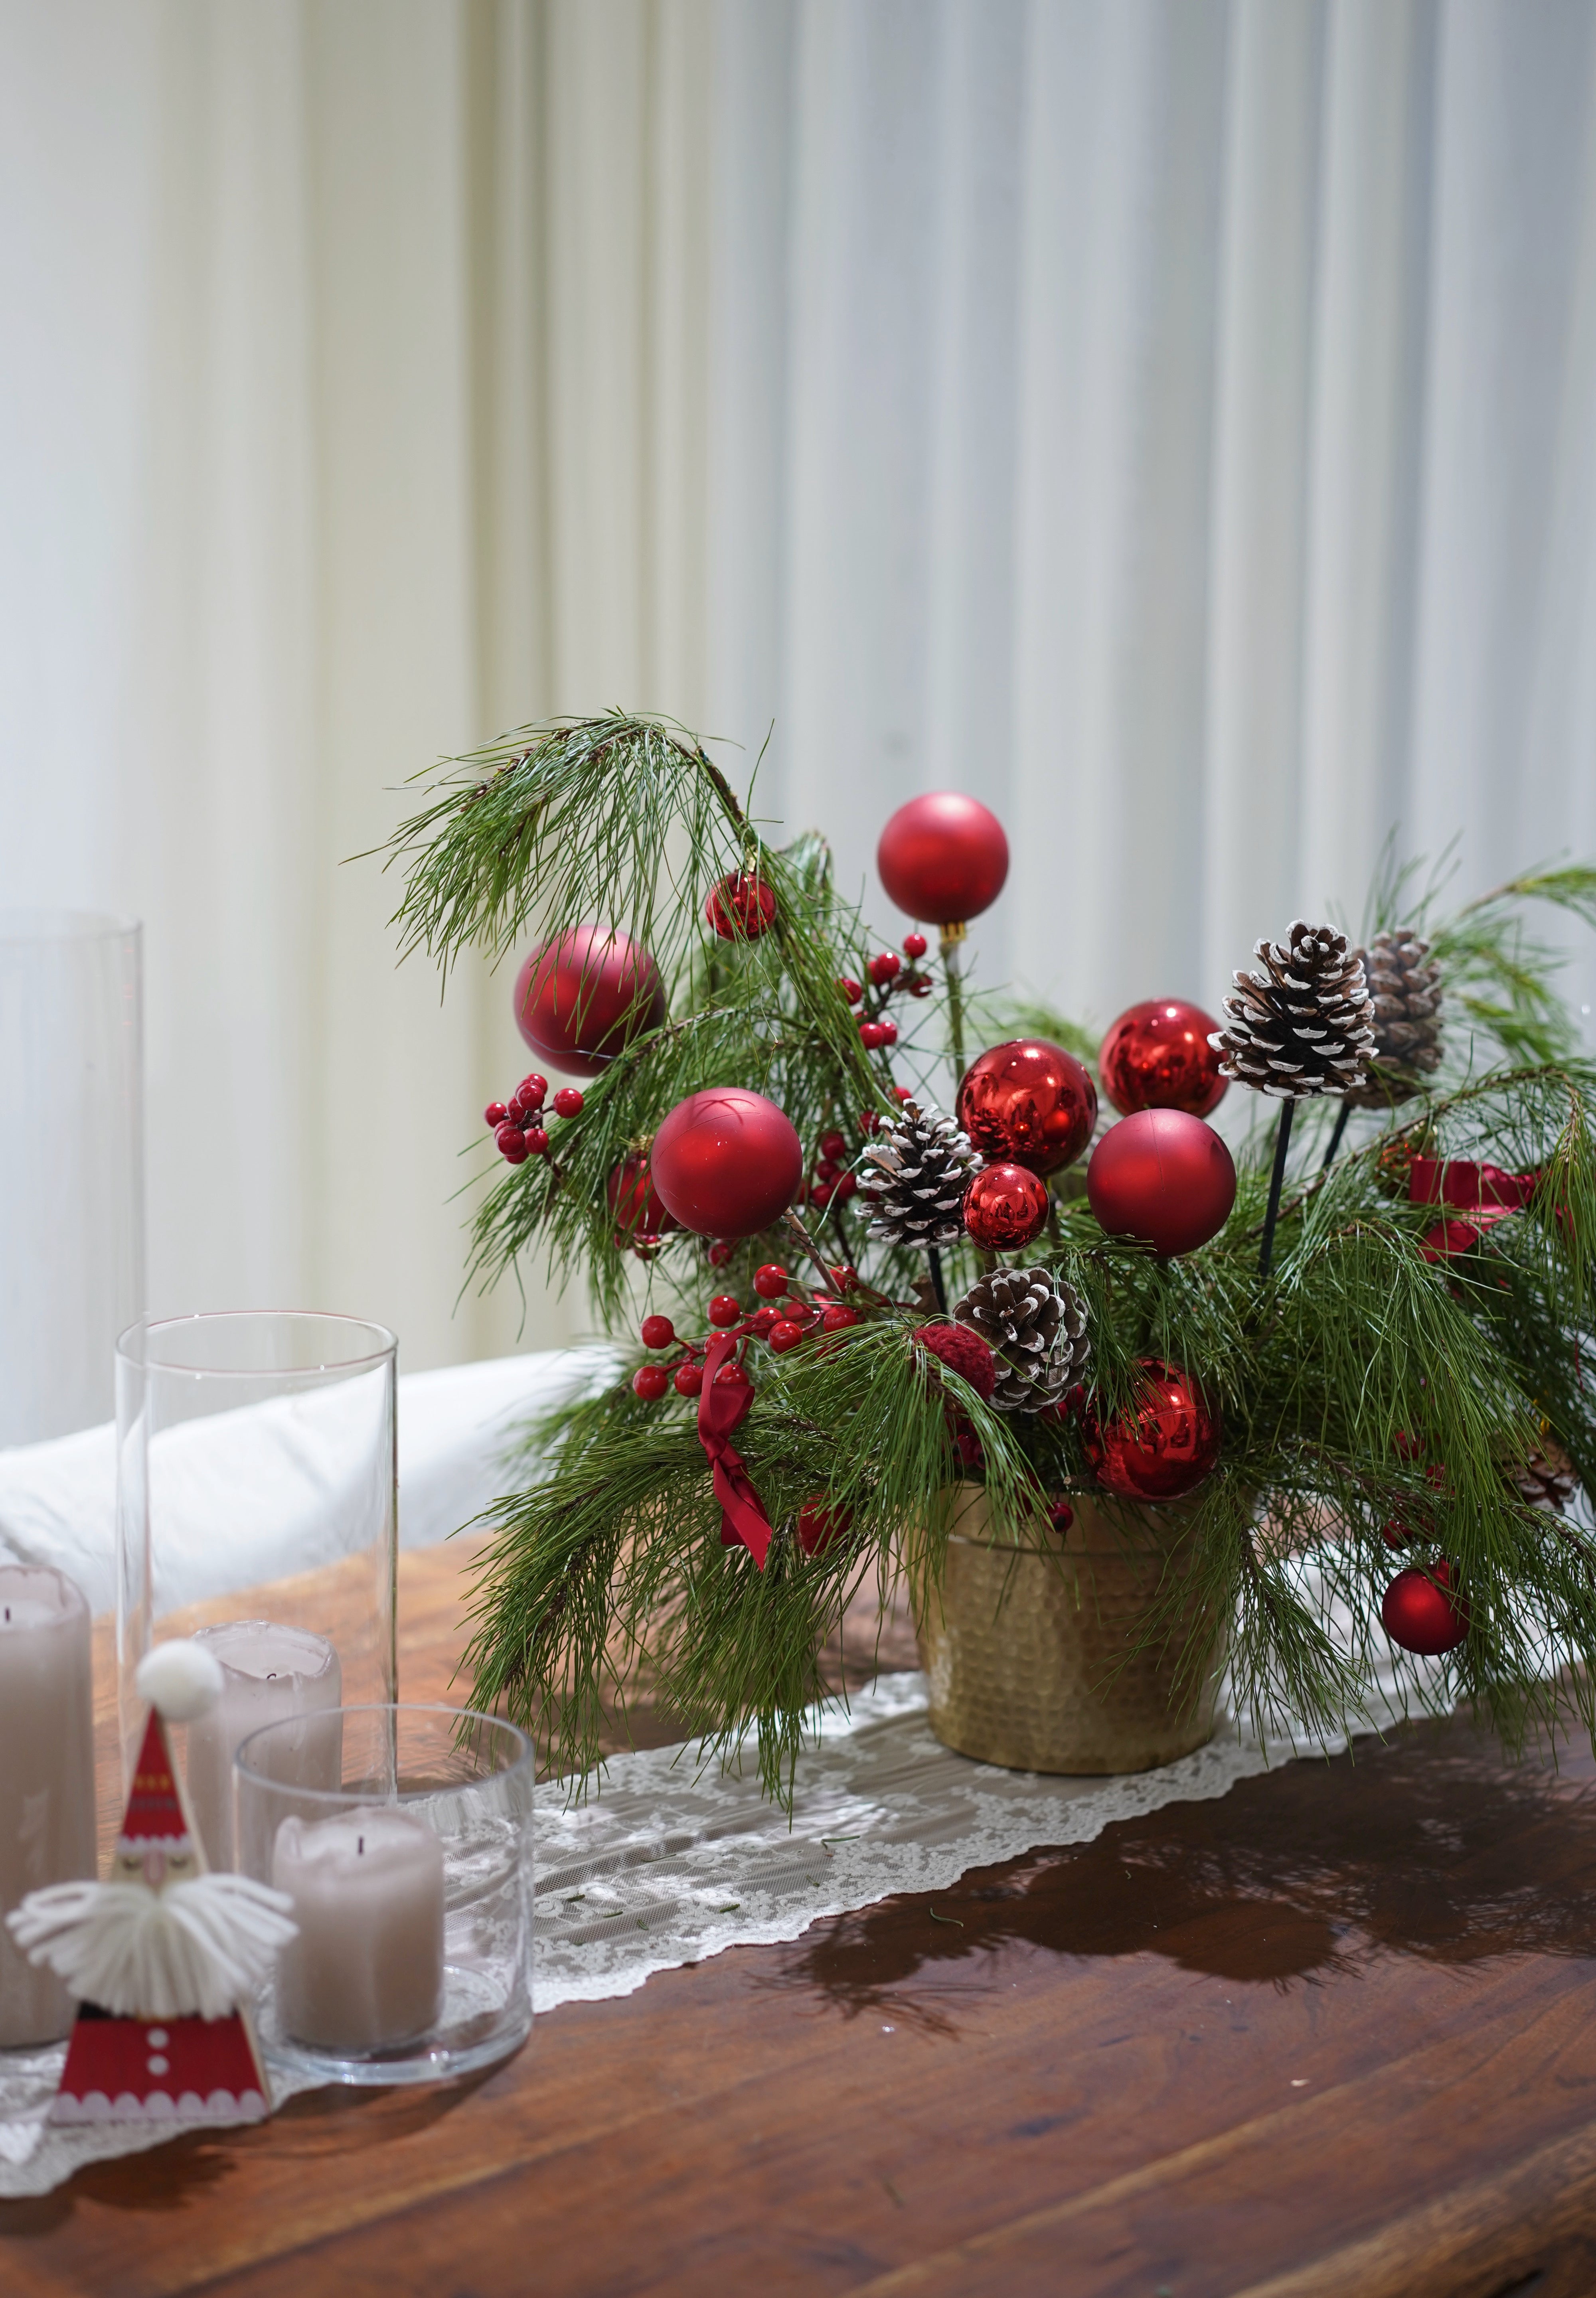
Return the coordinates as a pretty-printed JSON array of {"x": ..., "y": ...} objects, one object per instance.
[{"x": 672, "y": 1862}]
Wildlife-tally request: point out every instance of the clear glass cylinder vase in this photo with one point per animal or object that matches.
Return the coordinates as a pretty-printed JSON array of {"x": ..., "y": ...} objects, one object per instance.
[
  {"x": 71, "y": 1165},
  {"x": 256, "y": 1508}
]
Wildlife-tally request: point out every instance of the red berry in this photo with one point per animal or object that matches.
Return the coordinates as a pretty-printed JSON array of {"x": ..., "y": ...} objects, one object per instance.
[
  {"x": 688, "y": 1379},
  {"x": 833, "y": 1145},
  {"x": 567, "y": 1102},
  {"x": 846, "y": 1187},
  {"x": 902, "y": 1093},
  {"x": 770, "y": 1282},
  {"x": 1394, "y": 1532},
  {"x": 885, "y": 1033},
  {"x": 516, "y": 1109},
  {"x": 870, "y": 1122},
  {"x": 725, "y": 1309},
  {"x": 914, "y": 945},
  {"x": 837, "y": 1315},
  {"x": 733, "y": 1375},
  {"x": 658, "y": 1332},
  {"x": 511, "y": 1143},
  {"x": 763, "y": 1320},
  {"x": 843, "y": 1278},
  {"x": 494, "y": 1113},
  {"x": 919, "y": 986},
  {"x": 872, "y": 1034},
  {"x": 1060, "y": 1516},
  {"x": 882, "y": 969},
  {"x": 785, "y": 1336},
  {"x": 852, "y": 990},
  {"x": 650, "y": 1381},
  {"x": 819, "y": 1527},
  {"x": 827, "y": 1170},
  {"x": 532, "y": 1089},
  {"x": 537, "y": 1141},
  {"x": 720, "y": 1253},
  {"x": 820, "y": 1193}
]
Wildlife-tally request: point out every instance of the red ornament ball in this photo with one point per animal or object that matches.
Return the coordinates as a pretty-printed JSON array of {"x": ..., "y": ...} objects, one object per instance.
[
  {"x": 1005, "y": 1208},
  {"x": 657, "y": 1332},
  {"x": 1028, "y": 1103},
  {"x": 943, "y": 858},
  {"x": 1163, "y": 1176},
  {"x": 650, "y": 1381},
  {"x": 820, "y": 1527},
  {"x": 1157, "y": 1056},
  {"x": 771, "y": 1281},
  {"x": 741, "y": 906},
  {"x": 962, "y": 1351},
  {"x": 726, "y": 1163},
  {"x": 1159, "y": 1447},
  {"x": 633, "y": 1203},
  {"x": 1424, "y": 1612},
  {"x": 579, "y": 999}
]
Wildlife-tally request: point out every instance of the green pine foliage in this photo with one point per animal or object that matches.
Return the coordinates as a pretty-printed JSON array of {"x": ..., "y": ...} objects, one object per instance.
[{"x": 1365, "y": 1382}]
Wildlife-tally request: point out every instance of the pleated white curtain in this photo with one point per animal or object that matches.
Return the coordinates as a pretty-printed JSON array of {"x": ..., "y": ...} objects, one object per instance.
[{"x": 1176, "y": 423}]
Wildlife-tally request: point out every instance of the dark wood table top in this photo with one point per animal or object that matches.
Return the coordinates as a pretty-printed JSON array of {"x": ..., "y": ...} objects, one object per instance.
[{"x": 1333, "y": 2033}]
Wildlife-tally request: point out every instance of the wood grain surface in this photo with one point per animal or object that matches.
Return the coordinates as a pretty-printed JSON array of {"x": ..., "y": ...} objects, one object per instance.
[{"x": 1334, "y": 2034}]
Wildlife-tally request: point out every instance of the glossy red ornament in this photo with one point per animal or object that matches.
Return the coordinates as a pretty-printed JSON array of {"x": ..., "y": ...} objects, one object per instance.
[
  {"x": 726, "y": 1163},
  {"x": 1028, "y": 1103},
  {"x": 943, "y": 857},
  {"x": 657, "y": 1332},
  {"x": 1159, "y": 1447},
  {"x": 1005, "y": 1208},
  {"x": 820, "y": 1527},
  {"x": 579, "y": 999},
  {"x": 1163, "y": 1176},
  {"x": 1157, "y": 1056},
  {"x": 1423, "y": 1611},
  {"x": 650, "y": 1381},
  {"x": 635, "y": 1205},
  {"x": 741, "y": 906}
]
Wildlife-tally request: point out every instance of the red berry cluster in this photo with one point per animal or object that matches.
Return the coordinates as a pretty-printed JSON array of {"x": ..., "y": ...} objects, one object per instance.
[
  {"x": 518, "y": 1132},
  {"x": 787, "y": 1316},
  {"x": 888, "y": 977},
  {"x": 828, "y": 1182}
]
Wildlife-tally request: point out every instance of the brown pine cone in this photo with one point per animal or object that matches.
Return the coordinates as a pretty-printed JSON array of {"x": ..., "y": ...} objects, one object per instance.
[
  {"x": 1548, "y": 1479},
  {"x": 1035, "y": 1328},
  {"x": 1405, "y": 984},
  {"x": 1305, "y": 1024}
]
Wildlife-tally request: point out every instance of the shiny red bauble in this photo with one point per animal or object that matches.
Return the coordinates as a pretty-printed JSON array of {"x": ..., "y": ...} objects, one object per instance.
[
  {"x": 1005, "y": 1208},
  {"x": 820, "y": 1527},
  {"x": 943, "y": 857},
  {"x": 633, "y": 1202},
  {"x": 1028, "y": 1103},
  {"x": 726, "y": 1163},
  {"x": 741, "y": 906},
  {"x": 1423, "y": 1612},
  {"x": 1163, "y": 1176},
  {"x": 579, "y": 999},
  {"x": 1157, "y": 1056},
  {"x": 1161, "y": 1446}
]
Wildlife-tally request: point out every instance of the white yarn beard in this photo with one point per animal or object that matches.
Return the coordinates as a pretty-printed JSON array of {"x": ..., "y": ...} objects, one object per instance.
[{"x": 194, "y": 1949}]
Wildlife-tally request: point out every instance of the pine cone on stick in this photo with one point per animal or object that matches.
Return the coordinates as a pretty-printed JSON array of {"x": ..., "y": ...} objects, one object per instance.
[
  {"x": 1035, "y": 1328},
  {"x": 1305, "y": 1024},
  {"x": 923, "y": 1166},
  {"x": 1548, "y": 1479},
  {"x": 1405, "y": 984}
]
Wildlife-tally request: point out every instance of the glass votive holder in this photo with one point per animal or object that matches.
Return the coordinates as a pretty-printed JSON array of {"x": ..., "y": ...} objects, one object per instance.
[
  {"x": 412, "y": 1883},
  {"x": 256, "y": 1508}
]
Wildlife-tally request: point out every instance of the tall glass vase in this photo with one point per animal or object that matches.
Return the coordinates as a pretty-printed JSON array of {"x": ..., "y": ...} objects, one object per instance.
[{"x": 71, "y": 1165}]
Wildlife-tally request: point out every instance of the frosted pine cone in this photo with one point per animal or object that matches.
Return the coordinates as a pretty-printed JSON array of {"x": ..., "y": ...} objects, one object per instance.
[
  {"x": 1305, "y": 1024},
  {"x": 1405, "y": 984},
  {"x": 923, "y": 1166},
  {"x": 1035, "y": 1327},
  {"x": 1548, "y": 1479}
]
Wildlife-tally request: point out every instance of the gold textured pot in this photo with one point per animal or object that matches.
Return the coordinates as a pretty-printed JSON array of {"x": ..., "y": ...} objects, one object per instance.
[{"x": 1025, "y": 1650}]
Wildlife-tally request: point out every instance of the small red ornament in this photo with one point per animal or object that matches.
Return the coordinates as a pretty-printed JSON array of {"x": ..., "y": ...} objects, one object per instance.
[
  {"x": 511, "y": 1144},
  {"x": 1423, "y": 1611},
  {"x": 915, "y": 945},
  {"x": 852, "y": 990},
  {"x": 741, "y": 906},
  {"x": 495, "y": 1114},
  {"x": 634, "y": 1206},
  {"x": 943, "y": 856},
  {"x": 771, "y": 1281},
  {"x": 567, "y": 1102},
  {"x": 1163, "y": 1176},
  {"x": 1005, "y": 1208},
  {"x": 724, "y": 1309},
  {"x": 1159, "y": 1447},
  {"x": 882, "y": 968},
  {"x": 1028, "y": 1103},
  {"x": 579, "y": 999},
  {"x": 650, "y": 1381},
  {"x": 785, "y": 1334},
  {"x": 1157, "y": 1056},
  {"x": 726, "y": 1163},
  {"x": 1060, "y": 1516},
  {"x": 688, "y": 1379},
  {"x": 820, "y": 1527},
  {"x": 537, "y": 1141},
  {"x": 657, "y": 1332},
  {"x": 962, "y": 1351}
]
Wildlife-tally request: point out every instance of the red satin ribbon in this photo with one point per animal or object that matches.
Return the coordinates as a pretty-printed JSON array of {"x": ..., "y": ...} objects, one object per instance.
[
  {"x": 1485, "y": 1193},
  {"x": 721, "y": 1409}
]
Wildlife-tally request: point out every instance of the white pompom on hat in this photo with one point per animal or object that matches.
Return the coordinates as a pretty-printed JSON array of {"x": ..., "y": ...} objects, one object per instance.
[{"x": 180, "y": 1680}]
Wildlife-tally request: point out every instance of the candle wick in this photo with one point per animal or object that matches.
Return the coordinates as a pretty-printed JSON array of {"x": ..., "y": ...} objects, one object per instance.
[
  {"x": 360, "y": 1844},
  {"x": 271, "y": 1675},
  {"x": 8, "y": 1612}
]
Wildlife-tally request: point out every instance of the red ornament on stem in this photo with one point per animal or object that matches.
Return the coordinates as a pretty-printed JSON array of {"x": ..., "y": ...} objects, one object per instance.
[
  {"x": 741, "y": 906},
  {"x": 726, "y": 1163},
  {"x": 1157, "y": 1056},
  {"x": 820, "y": 1527},
  {"x": 580, "y": 999},
  {"x": 634, "y": 1202},
  {"x": 1163, "y": 1176},
  {"x": 1424, "y": 1612},
  {"x": 1028, "y": 1103},
  {"x": 943, "y": 857},
  {"x": 1159, "y": 1447},
  {"x": 1005, "y": 1208}
]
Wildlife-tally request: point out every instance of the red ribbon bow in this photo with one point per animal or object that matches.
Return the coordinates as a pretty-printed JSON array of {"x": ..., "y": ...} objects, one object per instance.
[
  {"x": 721, "y": 1409},
  {"x": 1485, "y": 1193}
]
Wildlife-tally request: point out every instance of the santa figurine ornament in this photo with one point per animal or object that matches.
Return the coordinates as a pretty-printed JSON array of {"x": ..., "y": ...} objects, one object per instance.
[{"x": 163, "y": 1956}]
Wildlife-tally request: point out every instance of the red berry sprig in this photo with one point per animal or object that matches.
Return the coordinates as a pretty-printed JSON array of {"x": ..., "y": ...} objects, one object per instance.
[
  {"x": 516, "y": 1135},
  {"x": 787, "y": 1316}
]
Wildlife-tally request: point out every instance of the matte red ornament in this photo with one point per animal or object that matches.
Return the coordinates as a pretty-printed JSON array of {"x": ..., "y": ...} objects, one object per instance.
[
  {"x": 1005, "y": 1208},
  {"x": 1424, "y": 1612},
  {"x": 1159, "y": 1447},
  {"x": 1163, "y": 1176},
  {"x": 820, "y": 1527},
  {"x": 741, "y": 906},
  {"x": 579, "y": 999},
  {"x": 1157, "y": 1056},
  {"x": 633, "y": 1202},
  {"x": 1028, "y": 1103},
  {"x": 943, "y": 857},
  {"x": 726, "y": 1163}
]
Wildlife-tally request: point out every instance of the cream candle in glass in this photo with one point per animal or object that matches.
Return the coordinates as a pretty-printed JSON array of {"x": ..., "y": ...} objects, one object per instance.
[
  {"x": 47, "y": 1776},
  {"x": 366, "y": 1970},
  {"x": 271, "y": 1673}
]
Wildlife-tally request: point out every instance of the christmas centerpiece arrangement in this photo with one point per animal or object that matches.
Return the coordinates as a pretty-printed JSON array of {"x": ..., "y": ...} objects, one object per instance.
[{"x": 893, "y": 1299}]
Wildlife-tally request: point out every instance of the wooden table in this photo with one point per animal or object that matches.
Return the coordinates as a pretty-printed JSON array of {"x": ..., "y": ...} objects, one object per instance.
[{"x": 1336, "y": 2033}]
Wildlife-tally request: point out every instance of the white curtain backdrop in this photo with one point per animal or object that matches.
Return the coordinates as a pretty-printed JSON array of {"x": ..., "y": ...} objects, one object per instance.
[{"x": 1175, "y": 422}]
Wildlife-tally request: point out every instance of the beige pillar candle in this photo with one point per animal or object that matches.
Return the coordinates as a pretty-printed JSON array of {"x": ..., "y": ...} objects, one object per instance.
[
  {"x": 366, "y": 1972},
  {"x": 47, "y": 1776},
  {"x": 272, "y": 1675}
]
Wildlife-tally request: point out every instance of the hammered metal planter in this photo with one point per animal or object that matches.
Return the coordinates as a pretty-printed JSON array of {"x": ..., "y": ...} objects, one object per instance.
[{"x": 1025, "y": 1651}]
